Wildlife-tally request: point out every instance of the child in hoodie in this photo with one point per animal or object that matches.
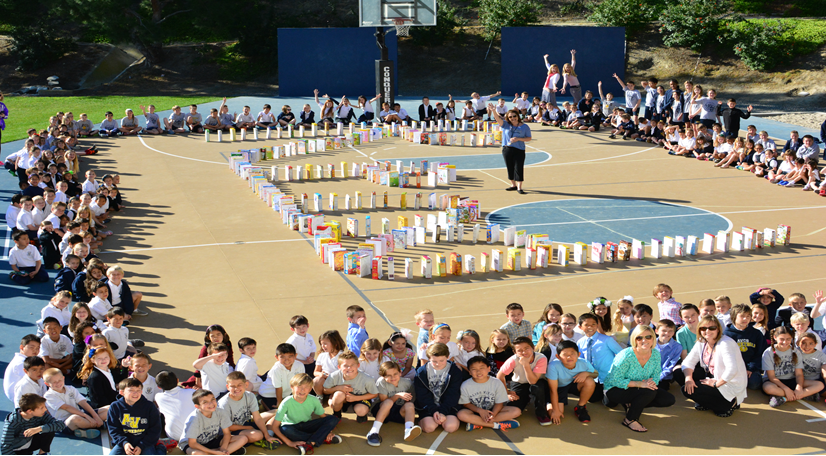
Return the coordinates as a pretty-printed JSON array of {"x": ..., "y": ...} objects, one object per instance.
[
  {"x": 751, "y": 341},
  {"x": 134, "y": 422}
]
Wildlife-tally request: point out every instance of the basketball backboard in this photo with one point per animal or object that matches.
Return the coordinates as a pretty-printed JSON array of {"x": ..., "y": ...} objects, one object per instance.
[{"x": 381, "y": 13}]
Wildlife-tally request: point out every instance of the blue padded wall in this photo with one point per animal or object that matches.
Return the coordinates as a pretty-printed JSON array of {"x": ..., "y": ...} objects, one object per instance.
[
  {"x": 600, "y": 52},
  {"x": 334, "y": 60}
]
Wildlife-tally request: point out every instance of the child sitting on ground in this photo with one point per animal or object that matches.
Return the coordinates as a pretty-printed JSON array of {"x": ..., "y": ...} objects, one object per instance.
[
  {"x": 174, "y": 403},
  {"x": 29, "y": 346},
  {"x": 140, "y": 364},
  {"x": 214, "y": 369},
  {"x": 247, "y": 365},
  {"x": 277, "y": 385},
  {"x": 133, "y": 422},
  {"x": 569, "y": 373},
  {"x": 395, "y": 403},
  {"x": 32, "y": 381},
  {"x": 242, "y": 408},
  {"x": 56, "y": 348},
  {"x": 528, "y": 382},
  {"x": 294, "y": 425},
  {"x": 438, "y": 388},
  {"x": 484, "y": 399},
  {"x": 29, "y": 427},
  {"x": 348, "y": 386},
  {"x": 670, "y": 351},
  {"x": 207, "y": 429},
  {"x": 66, "y": 404}
]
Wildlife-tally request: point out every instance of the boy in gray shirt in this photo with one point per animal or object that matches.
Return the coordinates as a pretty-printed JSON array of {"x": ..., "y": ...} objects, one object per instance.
[
  {"x": 207, "y": 428},
  {"x": 348, "y": 387},
  {"x": 153, "y": 122},
  {"x": 109, "y": 127},
  {"x": 193, "y": 120},
  {"x": 395, "y": 403},
  {"x": 84, "y": 126},
  {"x": 175, "y": 122},
  {"x": 484, "y": 398}
]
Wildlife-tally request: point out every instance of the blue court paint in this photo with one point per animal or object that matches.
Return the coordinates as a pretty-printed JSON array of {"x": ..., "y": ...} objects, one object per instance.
[
  {"x": 473, "y": 162},
  {"x": 603, "y": 220}
]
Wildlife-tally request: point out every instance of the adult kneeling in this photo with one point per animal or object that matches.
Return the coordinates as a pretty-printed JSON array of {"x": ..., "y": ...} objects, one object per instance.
[
  {"x": 724, "y": 378},
  {"x": 632, "y": 380}
]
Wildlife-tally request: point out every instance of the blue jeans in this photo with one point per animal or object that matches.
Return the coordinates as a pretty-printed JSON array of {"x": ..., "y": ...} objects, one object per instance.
[
  {"x": 41, "y": 276},
  {"x": 157, "y": 449},
  {"x": 314, "y": 431}
]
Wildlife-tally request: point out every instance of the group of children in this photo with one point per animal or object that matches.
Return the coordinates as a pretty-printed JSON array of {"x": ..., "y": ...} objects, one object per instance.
[{"x": 446, "y": 378}]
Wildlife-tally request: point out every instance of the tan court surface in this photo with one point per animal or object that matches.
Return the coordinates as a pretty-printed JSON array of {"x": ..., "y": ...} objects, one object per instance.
[{"x": 204, "y": 250}]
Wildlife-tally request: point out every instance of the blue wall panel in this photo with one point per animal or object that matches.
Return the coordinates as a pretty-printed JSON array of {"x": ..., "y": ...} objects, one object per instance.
[
  {"x": 600, "y": 52},
  {"x": 333, "y": 60}
]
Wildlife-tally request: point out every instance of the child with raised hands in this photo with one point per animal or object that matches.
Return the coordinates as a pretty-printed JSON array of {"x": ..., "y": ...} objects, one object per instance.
[{"x": 394, "y": 404}]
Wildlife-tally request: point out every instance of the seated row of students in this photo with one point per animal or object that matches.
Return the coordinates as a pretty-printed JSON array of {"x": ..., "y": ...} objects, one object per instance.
[{"x": 525, "y": 363}]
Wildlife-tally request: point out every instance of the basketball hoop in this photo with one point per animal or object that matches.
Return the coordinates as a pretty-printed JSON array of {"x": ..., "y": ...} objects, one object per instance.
[{"x": 401, "y": 28}]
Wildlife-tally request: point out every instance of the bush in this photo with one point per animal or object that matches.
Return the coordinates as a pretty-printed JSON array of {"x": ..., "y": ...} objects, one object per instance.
[
  {"x": 495, "y": 14},
  {"x": 763, "y": 44},
  {"x": 447, "y": 19},
  {"x": 35, "y": 47},
  {"x": 693, "y": 23},
  {"x": 631, "y": 14}
]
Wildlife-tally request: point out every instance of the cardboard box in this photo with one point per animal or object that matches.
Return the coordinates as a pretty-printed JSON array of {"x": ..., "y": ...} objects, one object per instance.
[
  {"x": 562, "y": 255},
  {"x": 656, "y": 251},
  {"x": 709, "y": 240},
  {"x": 679, "y": 246},
  {"x": 580, "y": 253},
  {"x": 611, "y": 249},
  {"x": 455, "y": 265},
  {"x": 722, "y": 241},
  {"x": 427, "y": 267},
  {"x": 514, "y": 259},
  {"x": 784, "y": 235},
  {"x": 597, "y": 253},
  {"x": 497, "y": 258},
  {"x": 668, "y": 247}
]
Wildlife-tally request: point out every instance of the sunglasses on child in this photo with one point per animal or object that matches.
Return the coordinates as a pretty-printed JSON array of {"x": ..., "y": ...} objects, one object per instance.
[{"x": 646, "y": 337}]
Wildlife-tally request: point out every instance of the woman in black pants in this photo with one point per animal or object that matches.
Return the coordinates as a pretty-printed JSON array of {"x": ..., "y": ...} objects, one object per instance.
[
  {"x": 632, "y": 380},
  {"x": 514, "y": 136}
]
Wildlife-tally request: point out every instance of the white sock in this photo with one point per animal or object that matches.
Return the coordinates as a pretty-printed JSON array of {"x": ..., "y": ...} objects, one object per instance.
[
  {"x": 496, "y": 425},
  {"x": 376, "y": 428},
  {"x": 408, "y": 425}
]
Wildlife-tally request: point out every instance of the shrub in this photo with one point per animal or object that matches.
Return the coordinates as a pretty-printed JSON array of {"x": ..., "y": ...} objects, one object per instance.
[
  {"x": 693, "y": 23},
  {"x": 631, "y": 14},
  {"x": 761, "y": 44},
  {"x": 447, "y": 19},
  {"x": 495, "y": 14},
  {"x": 35, "y": 47}
]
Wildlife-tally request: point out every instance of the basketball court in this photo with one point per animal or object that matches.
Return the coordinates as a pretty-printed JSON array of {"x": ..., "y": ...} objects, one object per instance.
[{"x": 204, "y": 249}]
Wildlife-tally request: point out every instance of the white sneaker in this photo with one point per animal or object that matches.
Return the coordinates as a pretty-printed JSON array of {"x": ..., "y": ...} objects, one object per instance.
[
  {"x": 412, "y": 433},
  {"x": 807, "y": 188}
]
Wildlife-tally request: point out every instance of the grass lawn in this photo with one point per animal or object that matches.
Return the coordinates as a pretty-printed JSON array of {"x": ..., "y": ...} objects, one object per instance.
[{"x": 34, "y": 112}]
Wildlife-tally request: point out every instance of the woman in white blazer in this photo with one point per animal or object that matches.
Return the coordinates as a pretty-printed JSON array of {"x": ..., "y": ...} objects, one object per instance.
[{"x": 724, "y": 380}]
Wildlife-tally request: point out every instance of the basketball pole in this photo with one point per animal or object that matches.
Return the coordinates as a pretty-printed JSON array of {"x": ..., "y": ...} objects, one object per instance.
[{"x": 385, "y": 73}]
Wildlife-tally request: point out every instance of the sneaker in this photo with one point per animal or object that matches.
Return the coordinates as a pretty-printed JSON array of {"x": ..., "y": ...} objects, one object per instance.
[
  {"x": 337, "y": 414},
  {"x": 11, "y": 171},
  {"x": 169, "y": 443},
  {"x": 172, "y": 132},
  {"x": 777, "y": 401},
  {"x": 582, "y": 414},
  {"x": 782, "y": 183},
  {"x": 671, "y": 152},
  {"x": 305, "y": 449},
  {"x": 699, "y": 407},
  {"x": 263, "y": 443},
  {"x": 139, "y": 313},
  {"x": 725, "y": 414},
  {"x": 510, "y": 424},
  {"x": 790, "y": 184},
  {"x": 87, "y": 433},
  {"x": 807, "y": 188},
  {"x": 472, "y": 427},
  {"x": 137, "y": 343},
  {"x": 241, "y": 450},
  {"x": 334, "y": 440},
  {"x": 361, "y": 419},
  {"x": 374, "y": 439},
  {"x": 612, "y": 136},
  {"x": 544, "y": 420},
  {"x": 412, "y": 433},
  {"x": 57, "y": 266}
]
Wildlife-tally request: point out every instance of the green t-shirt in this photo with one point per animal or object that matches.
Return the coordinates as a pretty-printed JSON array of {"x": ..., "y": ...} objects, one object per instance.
[
  {"x": 292, "y": 412},
  {"x": 686, "y": 338}
]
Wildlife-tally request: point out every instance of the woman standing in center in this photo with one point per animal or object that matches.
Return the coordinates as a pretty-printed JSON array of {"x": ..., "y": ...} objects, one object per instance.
[
  {"x": 632, "y": 380},
  {"x": 514, "y": 136}
]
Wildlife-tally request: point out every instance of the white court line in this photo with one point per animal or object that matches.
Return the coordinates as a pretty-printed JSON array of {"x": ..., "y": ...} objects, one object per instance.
[
  {"x": 199, "y": 245},
  {"x": 595, "y": 223},
  {"x": 104, "y": 441},
  {"x": 6, "y": 246},
  {"x": 178, "y": 156},
  {"x": 362, "y": 153},
  {"x": 815, "y": 231},
  {"x": 491, "y": 175},
  {"x": 373, "y": 153},
  {"x": 436, "y": 443},
  {"x": 589, "y": 161},
  {"x": 386, "y": 149},
  {"x": 812, "y": 408}
]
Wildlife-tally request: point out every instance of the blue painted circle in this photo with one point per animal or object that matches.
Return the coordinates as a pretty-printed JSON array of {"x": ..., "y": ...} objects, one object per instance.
[{"x": 603, "y": 220}]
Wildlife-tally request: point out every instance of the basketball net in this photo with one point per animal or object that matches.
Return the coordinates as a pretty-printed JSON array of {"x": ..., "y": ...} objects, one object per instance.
[{"x": 401, "y": 28}]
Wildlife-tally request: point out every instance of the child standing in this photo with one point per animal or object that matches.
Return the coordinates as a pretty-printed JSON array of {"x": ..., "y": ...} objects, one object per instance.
[
  {"x": 305, "y": 346},
  {"x": 134, "y": 423},
  {"x": 399, "y": 351},
  {"x": 669, "y": 349},
  {"x": 395, "y": 403},
  {"x": 331, "y": 347},
  {"x": 752, "y": 343},
  {"x": 484, "y": 400},
  {"x": 424, "y": 320},
  {"x": 598, "y": 349},
  {"x": 293, "y": 423},
  {"x": 566, "y": 371},
  {"x": 528, "y": 368},
  {"x": 438, "y": 388},
  {"x": 356, "y": 330},
  {"x": 348, "y": 386},
  {"x": 516, "y": 326},
  {"x": 669, "y": 308},
  {"x": 29, "y": 427},
  {"x": 277, "y": 384}
]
